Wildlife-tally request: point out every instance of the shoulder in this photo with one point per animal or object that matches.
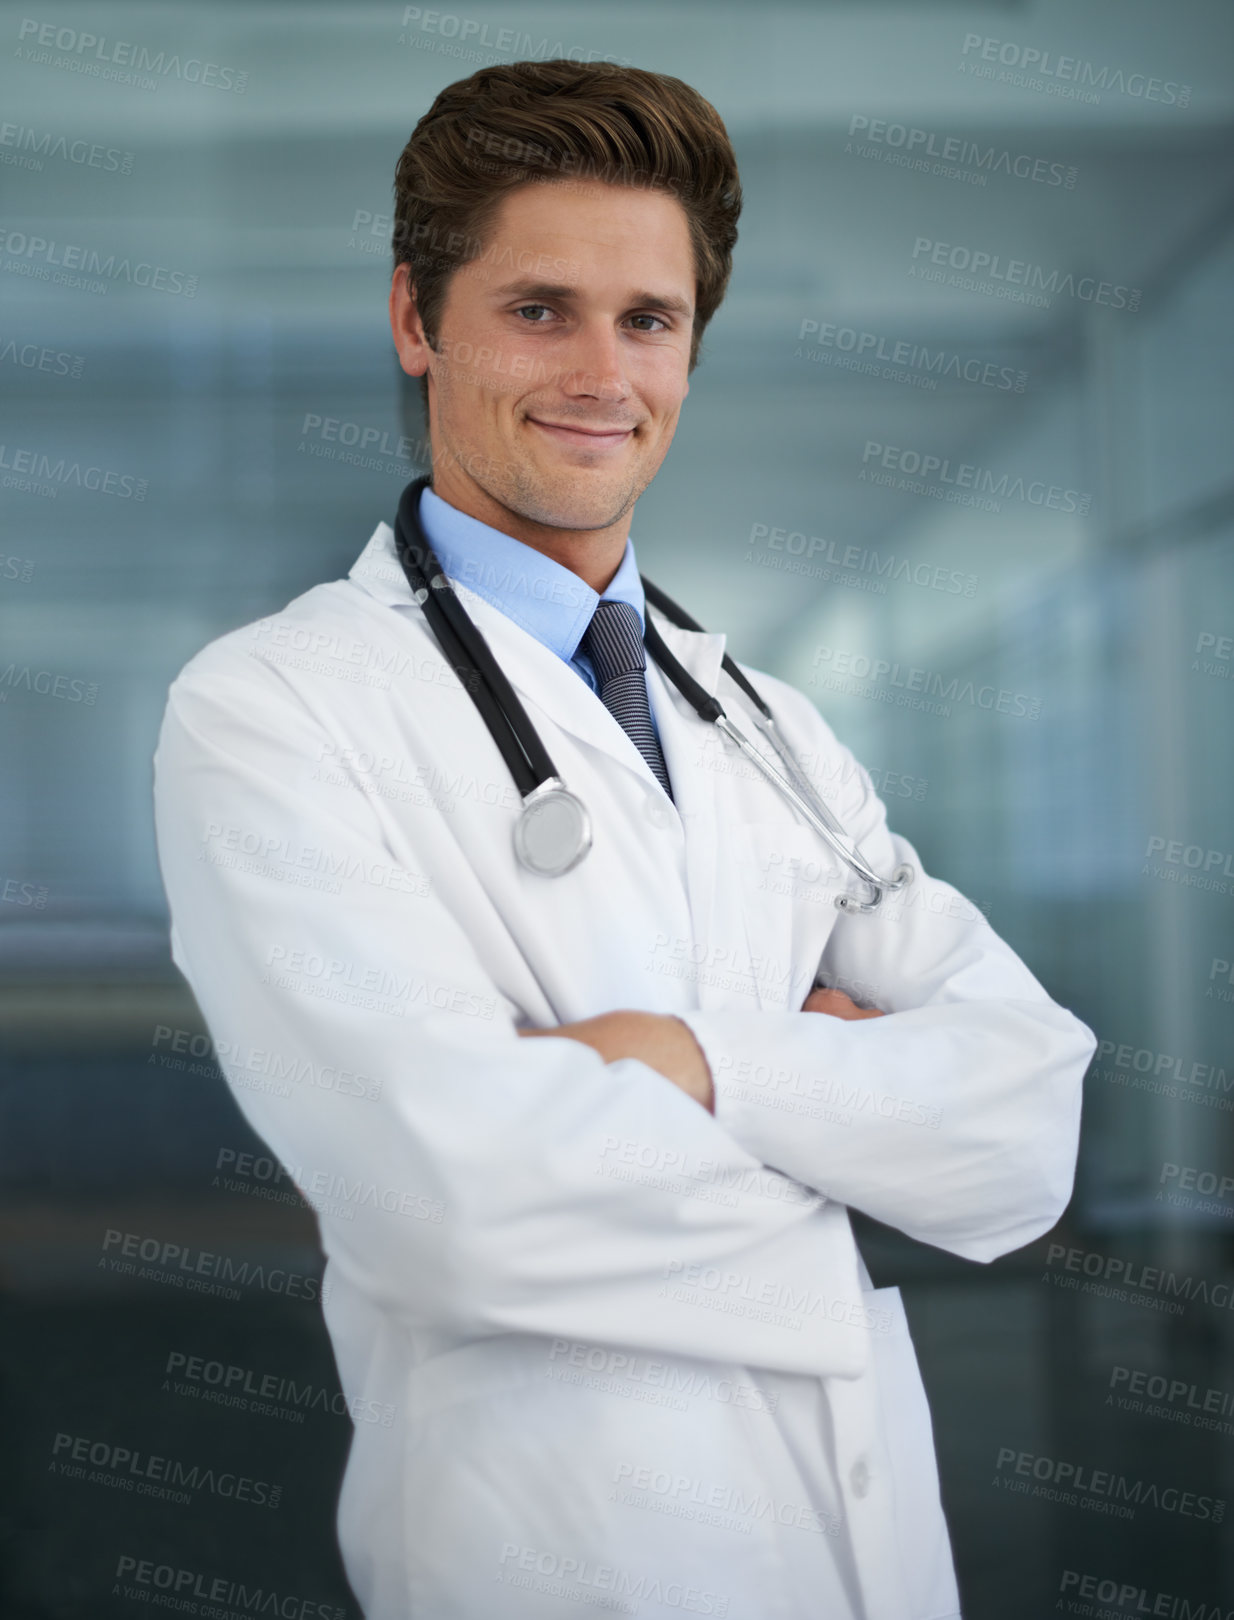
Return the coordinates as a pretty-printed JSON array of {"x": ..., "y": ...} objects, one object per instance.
[{"x": 329, "y": 635}]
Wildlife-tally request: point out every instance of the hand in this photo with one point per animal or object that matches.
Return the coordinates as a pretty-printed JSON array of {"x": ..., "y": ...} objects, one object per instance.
[
  {"x": 666, "y": 1044},
  {"x": 836, "y": 1005}
]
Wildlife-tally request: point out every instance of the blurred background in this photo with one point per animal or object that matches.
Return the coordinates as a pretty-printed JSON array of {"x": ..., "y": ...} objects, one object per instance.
[{"x": 956, "y": 462}]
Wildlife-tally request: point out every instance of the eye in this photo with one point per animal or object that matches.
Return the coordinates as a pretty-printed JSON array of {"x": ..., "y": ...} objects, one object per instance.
[
  {"x": 655, "y": 318},
  {"x": 523, "y": 308}
]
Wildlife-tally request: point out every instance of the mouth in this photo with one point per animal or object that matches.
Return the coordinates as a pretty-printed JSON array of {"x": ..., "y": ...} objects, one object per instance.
[{"x": 584, "y": 438}]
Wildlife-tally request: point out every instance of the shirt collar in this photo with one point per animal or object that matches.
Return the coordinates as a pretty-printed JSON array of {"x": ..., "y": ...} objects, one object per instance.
[{"x": 548, "y": 600}]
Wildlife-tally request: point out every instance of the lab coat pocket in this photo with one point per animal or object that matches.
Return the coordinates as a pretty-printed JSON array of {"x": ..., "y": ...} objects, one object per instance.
[
  {"x": 542, "y": 1468},
  {"x": 908, "y": 1437},
  {"x": 790, "y": 880}
]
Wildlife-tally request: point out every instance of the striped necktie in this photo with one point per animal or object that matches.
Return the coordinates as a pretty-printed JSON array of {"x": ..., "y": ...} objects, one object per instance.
[{"x": 614, "y": 643}]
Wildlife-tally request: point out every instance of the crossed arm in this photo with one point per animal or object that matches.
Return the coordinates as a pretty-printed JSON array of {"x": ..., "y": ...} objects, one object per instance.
[{"x": 667, "y": 1044}]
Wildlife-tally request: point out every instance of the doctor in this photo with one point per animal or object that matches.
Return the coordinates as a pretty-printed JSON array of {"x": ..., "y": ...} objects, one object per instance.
[{"x": 583, "y": 1147}]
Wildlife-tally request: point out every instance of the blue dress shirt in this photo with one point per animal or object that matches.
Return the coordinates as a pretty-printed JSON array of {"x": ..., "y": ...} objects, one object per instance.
[{"x": 550, "y": 601}]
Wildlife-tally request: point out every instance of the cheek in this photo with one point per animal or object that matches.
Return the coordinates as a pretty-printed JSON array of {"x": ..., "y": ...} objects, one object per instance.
[
  {"x": 467, "y": 403},
  {"x": 665, "y": 382},
  {"x": 666, "y": 406}
]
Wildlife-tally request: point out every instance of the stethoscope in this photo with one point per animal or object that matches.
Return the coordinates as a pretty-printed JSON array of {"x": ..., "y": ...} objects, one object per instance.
[{"x": 553, "y": 830}]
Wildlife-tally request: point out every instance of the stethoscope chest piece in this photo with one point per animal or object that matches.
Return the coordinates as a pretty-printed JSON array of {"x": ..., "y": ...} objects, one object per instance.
[{"x": 553, "y": 830}]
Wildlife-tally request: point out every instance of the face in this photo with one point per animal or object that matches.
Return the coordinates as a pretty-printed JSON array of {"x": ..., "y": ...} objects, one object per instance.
[{"x": 562, "y": 355}]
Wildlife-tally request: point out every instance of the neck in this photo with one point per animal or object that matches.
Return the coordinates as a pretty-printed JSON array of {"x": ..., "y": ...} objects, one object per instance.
[{"x": 593, "y": 554}]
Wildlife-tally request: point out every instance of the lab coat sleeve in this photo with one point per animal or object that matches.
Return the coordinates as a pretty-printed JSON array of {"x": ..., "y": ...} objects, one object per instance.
[
  {"x": 954, "y": 1118},
  {"x": 464, "y": 1178}
]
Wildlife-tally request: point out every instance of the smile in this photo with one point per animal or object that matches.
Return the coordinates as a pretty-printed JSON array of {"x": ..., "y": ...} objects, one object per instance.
[{"x": 585, "y": 438}]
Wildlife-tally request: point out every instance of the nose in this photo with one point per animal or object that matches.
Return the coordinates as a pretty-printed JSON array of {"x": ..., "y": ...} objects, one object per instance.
[{"x": 595, "y": 368}]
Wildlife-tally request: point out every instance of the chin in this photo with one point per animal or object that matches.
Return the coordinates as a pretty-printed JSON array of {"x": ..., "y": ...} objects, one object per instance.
[{"x": 575, "y": 497}]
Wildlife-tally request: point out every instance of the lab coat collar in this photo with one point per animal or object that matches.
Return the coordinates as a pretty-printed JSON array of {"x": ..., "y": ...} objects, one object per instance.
[
  {"x": 531, "y": 668},
  {"x": 550, "y": 688}
]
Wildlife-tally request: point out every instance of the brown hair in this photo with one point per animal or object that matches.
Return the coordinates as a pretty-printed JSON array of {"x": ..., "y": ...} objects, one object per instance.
[{"x": 560, "y": 120}]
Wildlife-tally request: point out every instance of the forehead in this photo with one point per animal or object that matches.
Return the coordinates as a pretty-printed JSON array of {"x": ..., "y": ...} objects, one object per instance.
[{"x": 599, "y": 225}]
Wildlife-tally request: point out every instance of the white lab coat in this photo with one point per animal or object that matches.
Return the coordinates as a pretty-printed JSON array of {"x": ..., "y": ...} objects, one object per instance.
[{"x": 603, "y": 1348}]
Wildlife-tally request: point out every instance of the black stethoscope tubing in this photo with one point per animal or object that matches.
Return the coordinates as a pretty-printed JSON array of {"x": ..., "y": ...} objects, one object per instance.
[
  {"x": 562, "y": 844},
  {"x": 471, "y": 658},
  {"x": 466, "y": 650}
]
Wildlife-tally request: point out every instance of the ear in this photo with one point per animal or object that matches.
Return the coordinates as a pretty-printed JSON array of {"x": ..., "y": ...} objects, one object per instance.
[{"x": 405, "y": 324}]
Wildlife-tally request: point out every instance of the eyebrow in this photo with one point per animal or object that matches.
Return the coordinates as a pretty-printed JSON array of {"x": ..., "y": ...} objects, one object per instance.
[{"x": 670, "y": 303}]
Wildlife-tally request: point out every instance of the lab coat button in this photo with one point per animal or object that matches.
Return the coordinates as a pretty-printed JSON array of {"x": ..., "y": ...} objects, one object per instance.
[{"x": 859, "y": 1477}]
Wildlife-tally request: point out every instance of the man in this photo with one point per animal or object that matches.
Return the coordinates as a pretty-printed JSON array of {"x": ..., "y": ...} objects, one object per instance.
[{"x": 600, "y": 1284}]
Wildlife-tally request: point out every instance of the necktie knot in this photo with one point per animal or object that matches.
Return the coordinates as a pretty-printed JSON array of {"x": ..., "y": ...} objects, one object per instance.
[{"x": 614, "y": 641}]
